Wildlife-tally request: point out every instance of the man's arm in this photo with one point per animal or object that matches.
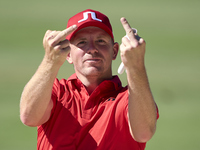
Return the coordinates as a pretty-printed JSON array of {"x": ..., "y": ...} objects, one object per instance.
[
  {"x": 142, "y": 111},
  {"x": 36, "y": 103}
]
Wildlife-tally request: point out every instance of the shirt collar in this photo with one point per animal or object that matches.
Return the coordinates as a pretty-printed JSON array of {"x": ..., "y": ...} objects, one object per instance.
[{"x": 115, "y": 80}]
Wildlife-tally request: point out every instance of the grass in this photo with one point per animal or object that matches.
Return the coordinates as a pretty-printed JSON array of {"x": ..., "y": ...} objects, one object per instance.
[{"x": 171, "y": 30}]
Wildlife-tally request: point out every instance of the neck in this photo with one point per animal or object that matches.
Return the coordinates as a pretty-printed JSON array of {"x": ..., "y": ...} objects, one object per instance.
[{"x": 91, "y": 82}]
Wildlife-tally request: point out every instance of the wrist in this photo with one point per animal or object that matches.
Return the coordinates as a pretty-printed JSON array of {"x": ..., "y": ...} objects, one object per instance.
[
  {"x": 137, "y": 78},
  {"x": 49, "y": 66}
]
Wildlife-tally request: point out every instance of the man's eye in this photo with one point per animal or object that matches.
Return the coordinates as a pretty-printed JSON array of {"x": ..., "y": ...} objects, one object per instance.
[
  {"x": 101, "y": 41},
  {"x": 81, "y": 42}
]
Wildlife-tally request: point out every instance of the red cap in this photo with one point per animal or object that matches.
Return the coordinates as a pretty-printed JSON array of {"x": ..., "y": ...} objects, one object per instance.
[{"x": 88, "y": 18}]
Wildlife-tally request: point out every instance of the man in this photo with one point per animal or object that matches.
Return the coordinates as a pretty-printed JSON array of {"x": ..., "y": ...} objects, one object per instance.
[{"x": 90, "y": 110}]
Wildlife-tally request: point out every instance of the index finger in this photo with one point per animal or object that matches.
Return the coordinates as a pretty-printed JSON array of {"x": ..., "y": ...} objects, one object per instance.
[
  {"x": 127, "y": 28},
  {"x": 62, "y": 35}
]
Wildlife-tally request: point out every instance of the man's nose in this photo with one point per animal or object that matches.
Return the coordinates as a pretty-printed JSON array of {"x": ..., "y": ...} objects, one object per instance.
[{"x": 92, "y": 48}]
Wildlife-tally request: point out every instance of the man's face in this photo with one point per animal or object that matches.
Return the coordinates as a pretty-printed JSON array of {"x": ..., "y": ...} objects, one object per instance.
[{"x": 92, "y": 52}]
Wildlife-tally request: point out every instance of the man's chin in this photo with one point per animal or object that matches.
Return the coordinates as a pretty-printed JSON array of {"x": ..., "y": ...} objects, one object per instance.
[{"x": 93, "y": 71}]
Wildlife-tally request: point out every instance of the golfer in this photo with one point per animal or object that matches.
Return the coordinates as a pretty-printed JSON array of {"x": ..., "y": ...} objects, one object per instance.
[{"x": 90, "y": 110}]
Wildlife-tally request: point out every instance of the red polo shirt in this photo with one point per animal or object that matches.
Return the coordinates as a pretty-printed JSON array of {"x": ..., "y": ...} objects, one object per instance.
[{"x": 80, "y": 121}]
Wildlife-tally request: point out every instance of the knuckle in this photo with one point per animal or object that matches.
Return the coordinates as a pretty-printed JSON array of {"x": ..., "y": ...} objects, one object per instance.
[
  {"x": 129, "y": 47},
  {"x": 132, "y": 47},
  {"x": 51, "y": 43},
  {"x": 66, "y": 42},
  {"x": 142, "y": 41},
  {"x": 57, "y": 47},
  {"x": 49, "y": 37},
  {"x": 48, "y": 31},
  {"x": 123, "y": 39},
  {"x": 130, "y": 31}
]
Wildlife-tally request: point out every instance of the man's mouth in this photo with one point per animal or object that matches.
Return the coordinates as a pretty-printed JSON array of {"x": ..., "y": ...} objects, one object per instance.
[{"x": 93, "y": 60}]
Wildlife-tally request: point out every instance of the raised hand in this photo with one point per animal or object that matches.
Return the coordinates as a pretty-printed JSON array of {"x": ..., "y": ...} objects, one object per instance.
[
  {"x": 132, "y": 48},
  {"x": 56, "y": 45}
]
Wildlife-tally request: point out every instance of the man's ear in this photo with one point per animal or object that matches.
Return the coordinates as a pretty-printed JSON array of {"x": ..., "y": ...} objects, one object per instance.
[
  {"x": 115, "y": 50},
  {"x": 69, "y": 59}
]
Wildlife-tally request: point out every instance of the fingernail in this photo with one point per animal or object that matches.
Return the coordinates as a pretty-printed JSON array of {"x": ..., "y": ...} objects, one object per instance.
[
  {"x": 74, "y": 26},
  {"x": 123, "y": 19}
]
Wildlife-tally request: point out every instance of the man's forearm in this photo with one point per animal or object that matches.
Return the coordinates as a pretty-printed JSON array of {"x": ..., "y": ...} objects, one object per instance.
[
  {"x": 141, "y": 109},
  {"x": 35, "y": 105}
]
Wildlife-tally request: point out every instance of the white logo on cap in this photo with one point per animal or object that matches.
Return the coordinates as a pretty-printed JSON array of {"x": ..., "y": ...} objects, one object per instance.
[{"x": 85, "y": 16}]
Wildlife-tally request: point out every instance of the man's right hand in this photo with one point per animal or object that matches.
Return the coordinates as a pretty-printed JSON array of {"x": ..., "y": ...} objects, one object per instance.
[
  {"x": 36, "y": 103},
  {"x": 56, "y": 46}
]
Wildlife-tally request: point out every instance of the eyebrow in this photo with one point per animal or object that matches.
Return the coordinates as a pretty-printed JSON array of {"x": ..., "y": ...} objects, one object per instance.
[
  {"x": 102, "y": 35},
  {"x": 81, "y": 38}
]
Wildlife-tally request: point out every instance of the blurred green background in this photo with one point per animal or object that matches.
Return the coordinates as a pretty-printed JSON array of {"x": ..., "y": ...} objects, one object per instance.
[{"x": 172, "y": 33}]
